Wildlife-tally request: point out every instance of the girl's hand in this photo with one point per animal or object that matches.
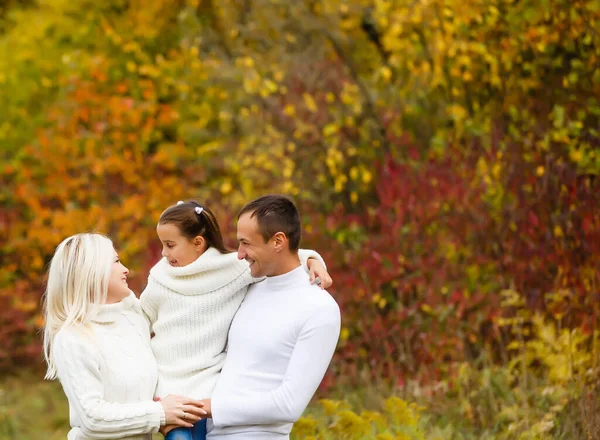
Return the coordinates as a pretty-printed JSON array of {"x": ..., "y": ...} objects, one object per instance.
[
  {"x": 182, "y": 411},
  {"x": 318, "y": 274}
]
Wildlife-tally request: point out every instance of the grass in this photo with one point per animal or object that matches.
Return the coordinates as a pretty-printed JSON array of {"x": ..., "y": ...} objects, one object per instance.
[
  {"x": 34, "y": 409},
  {"x": 484, "y": 407}
]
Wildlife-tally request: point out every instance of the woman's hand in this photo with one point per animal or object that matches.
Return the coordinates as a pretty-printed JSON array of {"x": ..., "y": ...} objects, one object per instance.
[
  {"x": 318, "y": 273},
  {"x": 182, "y": 411}
]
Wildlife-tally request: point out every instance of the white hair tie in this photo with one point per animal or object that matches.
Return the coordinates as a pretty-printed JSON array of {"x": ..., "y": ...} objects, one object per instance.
[
  {"x": 180, "y": 202},
  {"x": 198, "y": 210}
]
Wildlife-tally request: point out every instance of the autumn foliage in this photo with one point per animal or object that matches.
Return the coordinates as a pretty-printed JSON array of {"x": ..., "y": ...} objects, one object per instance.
[{"x": 442, "y": 152}]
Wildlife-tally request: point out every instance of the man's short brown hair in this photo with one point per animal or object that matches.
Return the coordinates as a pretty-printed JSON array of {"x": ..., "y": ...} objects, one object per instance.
[{"x": 276, "y": 213}]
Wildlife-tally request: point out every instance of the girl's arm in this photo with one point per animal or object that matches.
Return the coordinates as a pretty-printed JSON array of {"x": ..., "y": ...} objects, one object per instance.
[
  {"x": 305, "y": 254},
  {"x": 314, "y": 264},
  {"x": 149, "y": 306}
]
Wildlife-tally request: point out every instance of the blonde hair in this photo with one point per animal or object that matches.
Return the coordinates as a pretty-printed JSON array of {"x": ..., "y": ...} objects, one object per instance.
[{"x": 77, "y": 285}]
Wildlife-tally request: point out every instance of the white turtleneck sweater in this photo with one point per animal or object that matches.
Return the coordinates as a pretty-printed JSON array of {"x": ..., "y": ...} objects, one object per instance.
[
  {"x": 190, "y": 309},
  {"x": 109, "y": 375},
  {"x": 280, "y": 344}
]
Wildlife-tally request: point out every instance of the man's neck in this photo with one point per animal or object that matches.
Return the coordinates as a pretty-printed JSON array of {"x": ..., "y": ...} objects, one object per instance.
[{"x": 286, "y": 264}]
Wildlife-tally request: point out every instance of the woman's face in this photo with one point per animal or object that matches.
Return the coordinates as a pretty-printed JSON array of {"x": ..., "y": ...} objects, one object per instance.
[{"x": 117, "y": 283}]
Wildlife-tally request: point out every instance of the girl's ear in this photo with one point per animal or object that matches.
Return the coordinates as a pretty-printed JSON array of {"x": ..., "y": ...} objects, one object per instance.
[{"x": 200, "y": 243}]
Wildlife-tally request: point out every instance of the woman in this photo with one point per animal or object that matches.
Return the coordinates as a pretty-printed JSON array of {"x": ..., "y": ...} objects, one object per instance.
[{"x": 97, "y": 342}]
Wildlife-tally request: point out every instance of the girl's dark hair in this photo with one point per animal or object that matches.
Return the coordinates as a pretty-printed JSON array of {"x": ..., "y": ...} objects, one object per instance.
[{"x": 184, "y": 217}]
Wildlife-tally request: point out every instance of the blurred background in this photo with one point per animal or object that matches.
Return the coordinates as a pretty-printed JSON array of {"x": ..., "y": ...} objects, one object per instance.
[{"x": 444, "y": 155}]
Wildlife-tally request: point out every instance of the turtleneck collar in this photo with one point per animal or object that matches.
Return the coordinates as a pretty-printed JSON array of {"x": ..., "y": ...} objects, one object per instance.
[
  {"x": 205, "y": 261},
  {"x": 210, "y": 271},
  {"x": 108, "y": 313},
  {"x": 290, "y": 279}
]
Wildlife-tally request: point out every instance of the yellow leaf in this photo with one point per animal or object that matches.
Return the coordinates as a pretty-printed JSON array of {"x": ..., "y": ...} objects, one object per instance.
[
  {"x": 386, "y": 73},
  {"x": 344, "y": 334},
  {"x": 226, "y": 188},
  {"x": 289, "y": 110},
  {"x": 576, "y": 155},
  {"x": 514, "y": 345},
  {"x": 457, "y": 112},
  {"x": 271, "y": 86},
  {"x": 330, "y": 406},
  {"x": 330, "y": 129},
  {"x": 427, "y": 309},
  {"x": 310, "y": 102}
]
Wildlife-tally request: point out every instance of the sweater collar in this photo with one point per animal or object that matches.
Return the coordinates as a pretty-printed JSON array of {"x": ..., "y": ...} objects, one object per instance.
[
  {"x": 288, "y": 280},
  {"x": 211, "y": 271},
  {"x": 108, "y": 313}
]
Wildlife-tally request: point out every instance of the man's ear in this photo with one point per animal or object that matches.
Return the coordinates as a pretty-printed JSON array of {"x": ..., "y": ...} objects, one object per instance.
[
  {"x": 199, "y": 242},
  {"x": 280, "y": 241}
]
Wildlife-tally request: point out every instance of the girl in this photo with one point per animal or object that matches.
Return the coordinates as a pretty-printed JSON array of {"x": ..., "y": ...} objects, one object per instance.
[
  {"x": 97, "y": 342},
  {"x": 190, "y": 300}
]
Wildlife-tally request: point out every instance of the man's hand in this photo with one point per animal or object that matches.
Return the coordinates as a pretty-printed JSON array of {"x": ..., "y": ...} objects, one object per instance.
[{"x": 207, "y": 408}]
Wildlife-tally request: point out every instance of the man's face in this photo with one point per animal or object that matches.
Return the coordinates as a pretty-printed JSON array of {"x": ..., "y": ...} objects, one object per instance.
[{"x": 252, "y": 247}]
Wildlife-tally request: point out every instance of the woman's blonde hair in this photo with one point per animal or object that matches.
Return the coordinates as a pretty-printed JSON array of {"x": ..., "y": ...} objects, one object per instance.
[{"x": 77, "y": 284}]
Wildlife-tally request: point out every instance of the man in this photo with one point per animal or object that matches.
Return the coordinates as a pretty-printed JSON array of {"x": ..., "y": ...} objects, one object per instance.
[{"x": 283, "y": 336}]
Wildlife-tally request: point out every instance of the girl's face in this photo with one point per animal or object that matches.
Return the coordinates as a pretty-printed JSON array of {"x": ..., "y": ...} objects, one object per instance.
[
  {"x": 117, "y": 283},
  {"x": 177, "y": 248}
]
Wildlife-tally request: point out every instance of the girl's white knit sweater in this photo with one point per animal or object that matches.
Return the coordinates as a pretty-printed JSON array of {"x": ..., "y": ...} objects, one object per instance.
[
  {"x": 109, "y": 375},
  {"x": 190, "y": 309}
]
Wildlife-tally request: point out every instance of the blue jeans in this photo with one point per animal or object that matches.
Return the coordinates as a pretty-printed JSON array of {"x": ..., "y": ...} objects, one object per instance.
[{"x": 198, "y": 432}]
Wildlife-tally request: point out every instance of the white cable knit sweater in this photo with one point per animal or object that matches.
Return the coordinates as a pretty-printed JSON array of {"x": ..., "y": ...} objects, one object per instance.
[
  {"x": 109, "y": 375},
  {"x": 190, "y": 309}
]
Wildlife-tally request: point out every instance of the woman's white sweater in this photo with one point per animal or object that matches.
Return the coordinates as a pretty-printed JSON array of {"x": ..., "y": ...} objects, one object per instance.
[
  {"x": 109, "y": 375},
  {"x": 190, "y": 309}
]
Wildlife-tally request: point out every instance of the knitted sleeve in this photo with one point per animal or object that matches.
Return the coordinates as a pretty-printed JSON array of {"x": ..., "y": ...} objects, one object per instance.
[
  {"x": 148, "y": 302},
  {"x": 305, "y": 254},
  {"x": 78, "y": 366}
]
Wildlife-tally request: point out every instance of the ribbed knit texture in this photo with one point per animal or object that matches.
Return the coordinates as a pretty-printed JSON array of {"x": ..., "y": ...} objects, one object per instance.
[
  {"x": 190, "y": 309},
  {"x": 109, "y": 375}
]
